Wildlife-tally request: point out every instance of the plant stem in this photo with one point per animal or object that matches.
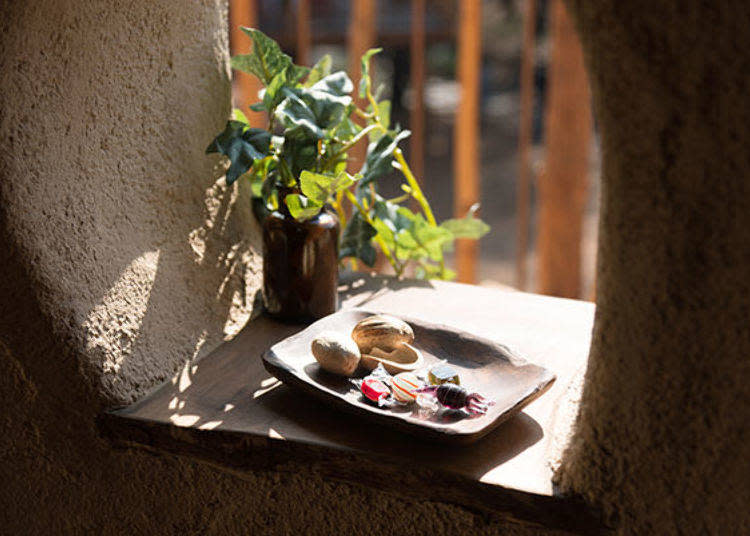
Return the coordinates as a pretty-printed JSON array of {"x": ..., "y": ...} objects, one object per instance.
[
  {"x": 348, "y": 145},
  {"x": 398, "y": 200},
  {"x": 414, "y": 185},
  {"x": 338, "y": 206},
  {"x": 362, "y": 114},
  {"x": 419, "y": 196}
]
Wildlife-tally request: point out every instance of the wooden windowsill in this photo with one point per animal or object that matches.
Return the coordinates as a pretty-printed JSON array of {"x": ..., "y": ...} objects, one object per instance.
[{"x": 228, "y": 411}]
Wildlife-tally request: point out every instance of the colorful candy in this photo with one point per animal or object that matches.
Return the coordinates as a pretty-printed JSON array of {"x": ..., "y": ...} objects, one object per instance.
[
  {"x": 375, "y": 390},
  {"x": 454, "y": 396},
  {"x": 443, "y": 373},
  {"x": 405, "y": 385}
]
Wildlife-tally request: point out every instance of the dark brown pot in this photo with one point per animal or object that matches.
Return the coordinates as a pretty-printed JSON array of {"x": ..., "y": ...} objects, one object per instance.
[{"x": 300, "y": 266}]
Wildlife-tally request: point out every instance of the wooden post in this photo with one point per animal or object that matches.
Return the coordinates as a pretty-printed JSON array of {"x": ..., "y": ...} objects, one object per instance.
[
  {"x": 525, "y": 132},
  {"x": 563, "y": 184},
  {"x": 244, "y": 86},
  {"x": 362, "y": 25},
  {"x": 304, "y": 36},
  {"x": 466, "y": 143},
  {"x": 417, "y": 75}
]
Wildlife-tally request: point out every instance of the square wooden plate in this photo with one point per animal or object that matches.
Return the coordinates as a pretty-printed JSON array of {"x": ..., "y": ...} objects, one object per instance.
[{"x": 484, "y": 366}]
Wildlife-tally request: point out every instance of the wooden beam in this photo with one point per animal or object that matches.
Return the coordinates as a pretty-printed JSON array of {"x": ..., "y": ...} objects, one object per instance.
[
  {"x": 564, "y": 183},
  {"x": 525, "y": 132},
  {"x": 304, "y": 35},
  {"x": 417, "y": 76},
  {"x": 244, "y": 86},
  {"x": 361, "y": 37},
  {"x": 466, "y": 142}
]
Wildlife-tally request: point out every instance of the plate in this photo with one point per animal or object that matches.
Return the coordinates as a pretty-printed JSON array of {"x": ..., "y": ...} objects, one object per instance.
[{"x": 484, "y": 366}]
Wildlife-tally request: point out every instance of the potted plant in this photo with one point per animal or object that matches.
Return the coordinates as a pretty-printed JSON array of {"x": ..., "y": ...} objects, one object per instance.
[{"x": 315, "y": 213}]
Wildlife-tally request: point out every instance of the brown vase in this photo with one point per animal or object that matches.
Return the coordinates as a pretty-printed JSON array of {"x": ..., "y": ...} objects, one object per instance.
[{"x": 300, "y": 266}]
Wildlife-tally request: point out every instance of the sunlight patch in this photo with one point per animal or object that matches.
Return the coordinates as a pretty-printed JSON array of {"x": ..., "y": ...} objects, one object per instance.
[{"x": 114, "y": 324}]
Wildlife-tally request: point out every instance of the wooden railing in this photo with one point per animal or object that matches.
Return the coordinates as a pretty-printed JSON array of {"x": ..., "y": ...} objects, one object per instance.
[{"x": 563, "y": 181}]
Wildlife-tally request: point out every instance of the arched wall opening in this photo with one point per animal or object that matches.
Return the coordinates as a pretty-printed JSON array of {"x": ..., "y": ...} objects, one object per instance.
[{"x": 662, "y": 440}]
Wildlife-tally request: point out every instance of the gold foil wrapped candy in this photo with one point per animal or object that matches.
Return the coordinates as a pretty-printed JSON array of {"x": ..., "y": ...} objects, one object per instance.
[{"x": 443, "y": 373}]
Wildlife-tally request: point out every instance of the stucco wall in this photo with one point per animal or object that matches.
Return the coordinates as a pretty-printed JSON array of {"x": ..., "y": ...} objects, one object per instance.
[
  {"x": 123, "y": 257},
  {"x": 663, "y": 441}
]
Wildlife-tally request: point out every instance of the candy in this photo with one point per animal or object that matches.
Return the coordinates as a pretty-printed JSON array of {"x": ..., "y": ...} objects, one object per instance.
[
  {"x": 454, "y": 396},
  {"x": 375, "y": 390},
  {"x": 428, "y": 405},
  {"x": 443, "y": 373},
  {"x": 405, "y": 385}
]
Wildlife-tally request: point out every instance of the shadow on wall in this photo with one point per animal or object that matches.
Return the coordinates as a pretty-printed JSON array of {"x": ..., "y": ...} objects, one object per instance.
[
  {"x": 146, "y": 320},
  {"x": 144, "y": 258}
]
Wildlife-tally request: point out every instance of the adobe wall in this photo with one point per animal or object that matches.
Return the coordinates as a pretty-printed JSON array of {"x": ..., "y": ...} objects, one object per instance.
[
  {"x": 124, "y": 257},
  {"x": 663, "y": 438}
]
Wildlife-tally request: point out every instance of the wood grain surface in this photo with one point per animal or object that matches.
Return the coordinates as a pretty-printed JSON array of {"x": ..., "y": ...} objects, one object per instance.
[{"x": 228, "y": 411}]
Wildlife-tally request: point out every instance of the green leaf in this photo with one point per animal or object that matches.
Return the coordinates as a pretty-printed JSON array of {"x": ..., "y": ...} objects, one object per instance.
[
  {"x": 242, "y": 146},
  {"x": 327, "y": 108},
  {"x": 347, "y": 128},
  {"x": 258, "y": 174},
  {"x": 383, "y": 113},
  {"x": 467, "y": 227},
  {"x": 380, "y": 157},
  {"x": 265, "y": 61},
  {"x": 388, "y": 221},
  {"x": 338, "y": 84},
  {"x": 297, "y": 73},
  {"x": 319, "y": 71},
  {"x": 420, "y": 239},
  {"x": 294, "y": 112},
  {"x": 301, "y": 207},
  {"x": 318, "y": 108},
  {"x": 428, "y": 270},
  {"x": 256, "y": 186},
  {"x": 365, "y": 82},
  {"x": 356, "y": 240},
  {"x": 273, "y": 95},
  {"x": 318, "y": 187},
  {"x": 299, "y": 151},
  {"x": 239, "y": 115}
]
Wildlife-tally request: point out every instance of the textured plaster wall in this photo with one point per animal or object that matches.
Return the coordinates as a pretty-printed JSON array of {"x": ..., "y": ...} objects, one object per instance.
[
  {"x": 663, "y": 442},
  {"x": 124, "y": 257}
]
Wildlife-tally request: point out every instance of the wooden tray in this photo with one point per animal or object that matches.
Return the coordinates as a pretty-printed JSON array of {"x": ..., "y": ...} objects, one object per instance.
[{"x": 484, "y": 366}]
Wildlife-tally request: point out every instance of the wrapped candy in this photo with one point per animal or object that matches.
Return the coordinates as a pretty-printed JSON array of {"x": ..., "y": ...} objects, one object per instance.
[
  {"x": 443, "y": 373},
  {"x": 454, "y": 396},
  {"x": 375, "y": 390},
  {"x": 405, "y": 385},
  {"x": 374, "y": 387}
]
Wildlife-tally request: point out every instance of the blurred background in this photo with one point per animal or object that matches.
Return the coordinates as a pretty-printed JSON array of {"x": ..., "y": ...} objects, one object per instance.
[{"x": 496, "y": 95}]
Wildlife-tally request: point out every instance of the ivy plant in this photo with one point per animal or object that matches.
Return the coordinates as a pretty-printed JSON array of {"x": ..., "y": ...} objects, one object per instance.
[{"x": 302, "y": 155}]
